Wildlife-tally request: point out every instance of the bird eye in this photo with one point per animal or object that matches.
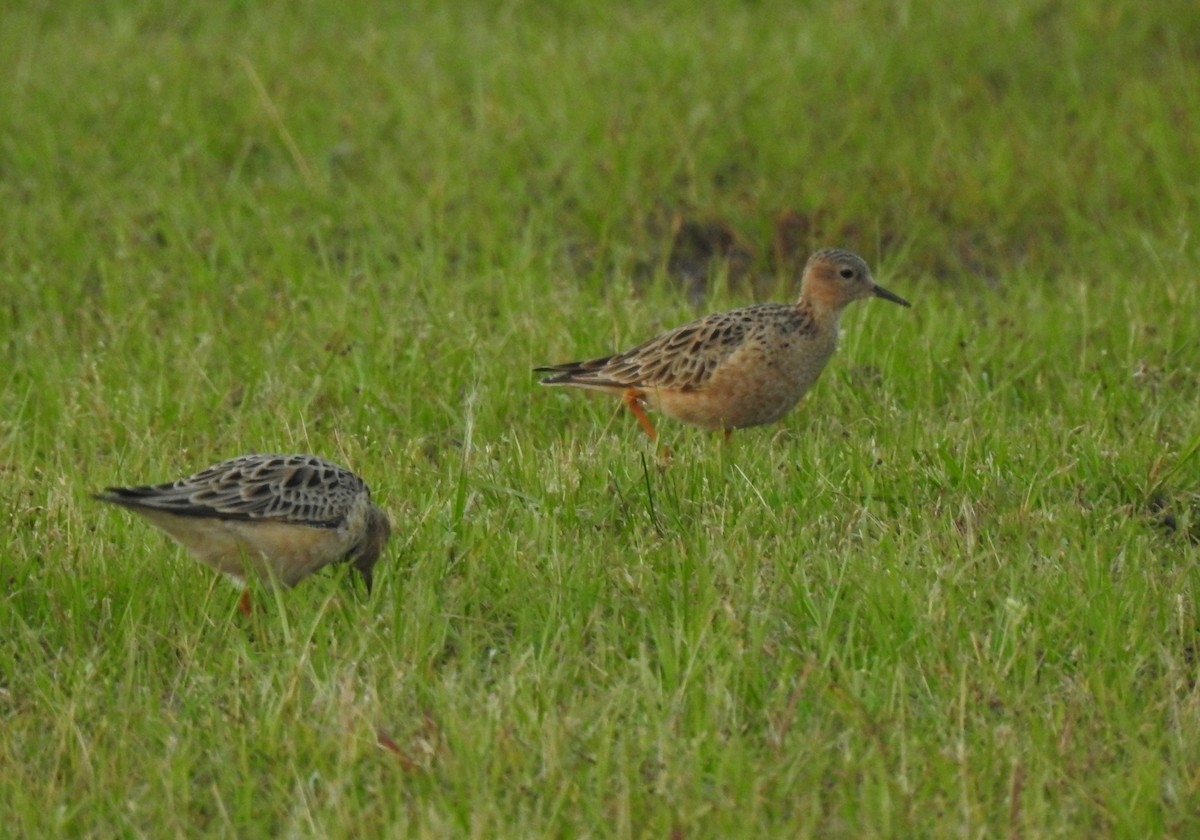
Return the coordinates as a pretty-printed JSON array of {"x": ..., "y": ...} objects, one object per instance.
[{"x": 847, "y": 273}]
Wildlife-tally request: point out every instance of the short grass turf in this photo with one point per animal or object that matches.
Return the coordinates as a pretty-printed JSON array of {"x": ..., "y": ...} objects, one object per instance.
[{"x": 954, "y": 593}]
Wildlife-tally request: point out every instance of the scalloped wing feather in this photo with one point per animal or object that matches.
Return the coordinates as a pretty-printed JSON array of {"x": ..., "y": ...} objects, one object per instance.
[
  {"x": 683, "y": 359},
  {"x": 298, "y": 489}
]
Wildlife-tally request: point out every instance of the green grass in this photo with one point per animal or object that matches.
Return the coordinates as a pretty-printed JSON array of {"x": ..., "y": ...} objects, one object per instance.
[{"x": 954, "y": 593}]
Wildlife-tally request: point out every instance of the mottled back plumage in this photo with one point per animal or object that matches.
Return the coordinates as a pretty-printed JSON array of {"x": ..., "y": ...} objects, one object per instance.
[
  {"x": 300, "y": 489},
  {"x": 685, "y": 358}
]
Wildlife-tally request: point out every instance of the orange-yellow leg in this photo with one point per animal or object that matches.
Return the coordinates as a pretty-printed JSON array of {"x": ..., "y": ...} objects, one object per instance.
[
  {"x": 244, "y": 603},
  {"x": 633, "y": 399}
]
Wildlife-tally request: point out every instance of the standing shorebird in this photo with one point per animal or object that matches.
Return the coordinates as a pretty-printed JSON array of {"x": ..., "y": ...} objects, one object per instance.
[
  {"x": 281, "y": 517},
  {"x": 746, "y": 367}
]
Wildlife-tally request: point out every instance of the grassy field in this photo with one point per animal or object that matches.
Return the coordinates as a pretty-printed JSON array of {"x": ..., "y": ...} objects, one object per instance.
[{"x": 956, "y": 593}]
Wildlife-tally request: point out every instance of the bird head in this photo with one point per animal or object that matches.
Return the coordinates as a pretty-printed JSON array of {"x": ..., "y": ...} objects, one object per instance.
[
  {"x": 366, "y": 554},
  {"x": 834, "y": 277}
]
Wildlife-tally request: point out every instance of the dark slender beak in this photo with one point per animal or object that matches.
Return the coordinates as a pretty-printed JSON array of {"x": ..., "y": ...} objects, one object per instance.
[
  {"x": 892, "y": 296},
  {"x": 368, "y": 578}
]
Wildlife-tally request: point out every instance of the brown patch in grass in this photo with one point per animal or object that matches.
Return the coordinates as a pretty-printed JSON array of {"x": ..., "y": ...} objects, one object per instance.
[
  {"x": 1177, "y": 517},
  {"x": 698, "y": 247}
]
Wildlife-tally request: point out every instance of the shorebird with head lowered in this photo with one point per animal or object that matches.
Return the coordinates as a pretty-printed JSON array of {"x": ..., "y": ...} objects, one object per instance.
[
  {"x": 746, "y": 367},
  {"x": 279, "y": 517}
]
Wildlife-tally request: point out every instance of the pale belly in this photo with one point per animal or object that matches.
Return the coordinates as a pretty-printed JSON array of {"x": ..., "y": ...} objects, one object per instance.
[
  {"x": 272, "y": 551},
  {"x": 752, "y": 388}
]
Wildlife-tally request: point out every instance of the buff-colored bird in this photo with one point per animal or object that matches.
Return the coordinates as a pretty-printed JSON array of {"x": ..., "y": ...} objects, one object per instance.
[
  {"x": 279, "y": 517},
  {"x": 746, "y": 367}
]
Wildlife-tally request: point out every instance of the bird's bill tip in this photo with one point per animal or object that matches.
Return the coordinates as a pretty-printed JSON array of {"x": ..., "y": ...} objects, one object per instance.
[{"x": 879, "y": 291}]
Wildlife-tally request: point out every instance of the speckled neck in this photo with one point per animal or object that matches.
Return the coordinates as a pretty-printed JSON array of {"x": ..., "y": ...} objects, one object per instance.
[{"x": 823, "y": 318}]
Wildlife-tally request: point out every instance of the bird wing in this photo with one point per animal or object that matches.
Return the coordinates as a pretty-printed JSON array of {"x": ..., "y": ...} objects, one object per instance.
[
  {"x": 680, "y": 360},
  {"x": 298, "y": 489}
]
